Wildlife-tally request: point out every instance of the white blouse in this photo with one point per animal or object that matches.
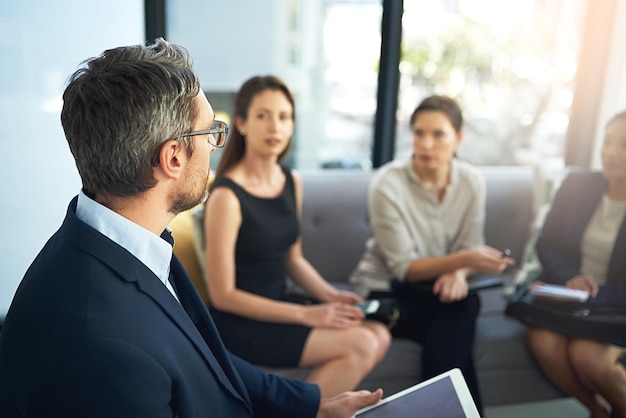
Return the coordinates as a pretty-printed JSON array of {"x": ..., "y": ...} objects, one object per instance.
[{"x": 599, "y": 238}]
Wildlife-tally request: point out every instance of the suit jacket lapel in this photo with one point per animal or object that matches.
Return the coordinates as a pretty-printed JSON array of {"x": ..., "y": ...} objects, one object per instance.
[
  {"x": 199, "y": 315},
  {"x": 132, "y": 270},
  {"x": 188, "y": 318}
]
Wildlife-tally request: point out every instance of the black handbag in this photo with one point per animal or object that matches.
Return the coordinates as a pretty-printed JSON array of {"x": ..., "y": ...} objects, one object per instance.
[
  {"x": 387, "y": 312},
  {"x": 603, "y": 322}
]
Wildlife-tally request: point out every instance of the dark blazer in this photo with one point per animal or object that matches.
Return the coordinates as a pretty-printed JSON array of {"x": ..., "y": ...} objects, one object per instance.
[
  {"x": 558, "y": 246},
  {"x": 92, "y": 332}
]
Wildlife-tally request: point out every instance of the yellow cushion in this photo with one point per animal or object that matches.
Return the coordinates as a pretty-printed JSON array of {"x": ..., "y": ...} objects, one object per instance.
[{"x": 184, "y": 248}]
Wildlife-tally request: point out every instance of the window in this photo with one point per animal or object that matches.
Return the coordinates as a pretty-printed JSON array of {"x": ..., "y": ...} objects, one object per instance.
[
  {"x": 351, "y": 51},
  {"x": 511, "y": 66},
  {"x": 326, "y": 51}
]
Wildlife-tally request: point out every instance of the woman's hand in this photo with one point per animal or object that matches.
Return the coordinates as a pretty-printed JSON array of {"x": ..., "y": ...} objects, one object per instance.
[
  {"x": 451, "y": 287},
  {"x": 345, "y": 296},
  {"x": 581, "y": 282},
  {"x": 488, "y": 260},
  {"x": 333, "y": 315}
]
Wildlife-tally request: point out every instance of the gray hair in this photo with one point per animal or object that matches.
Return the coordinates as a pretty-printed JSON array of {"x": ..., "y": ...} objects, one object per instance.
[{"x": 121, "y": 107}]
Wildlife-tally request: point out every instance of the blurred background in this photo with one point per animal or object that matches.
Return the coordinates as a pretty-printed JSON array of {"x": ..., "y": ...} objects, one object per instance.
[{"x": 536, "y": 79}]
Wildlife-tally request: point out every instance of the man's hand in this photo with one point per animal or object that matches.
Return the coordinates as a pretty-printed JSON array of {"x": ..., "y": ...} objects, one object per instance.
[{"x": 346, "y": 404}]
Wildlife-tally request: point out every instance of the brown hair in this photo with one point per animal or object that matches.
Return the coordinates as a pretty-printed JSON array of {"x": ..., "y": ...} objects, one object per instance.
[
  {"x": 443, "y": 104},
  {"x": 236, "y": 146}
]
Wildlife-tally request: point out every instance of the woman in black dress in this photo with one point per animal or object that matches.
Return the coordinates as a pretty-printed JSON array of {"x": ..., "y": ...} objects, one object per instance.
[{"x": 252, "y": 227}]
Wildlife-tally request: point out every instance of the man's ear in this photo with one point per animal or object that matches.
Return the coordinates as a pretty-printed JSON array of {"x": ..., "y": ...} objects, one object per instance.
[{"x": 172, "y": 156}]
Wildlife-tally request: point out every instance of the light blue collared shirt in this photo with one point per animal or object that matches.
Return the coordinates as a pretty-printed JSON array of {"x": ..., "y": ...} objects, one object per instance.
[{"x": 150, "y": 249}]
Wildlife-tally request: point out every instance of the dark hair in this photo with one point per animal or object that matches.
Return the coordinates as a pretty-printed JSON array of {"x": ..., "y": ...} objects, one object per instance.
[
  {"x": 121, "y": 107},
  {"x": 621, "y": 116},
  {"x": 235, "y": 146},
  {"x": 443, "y": 104}
]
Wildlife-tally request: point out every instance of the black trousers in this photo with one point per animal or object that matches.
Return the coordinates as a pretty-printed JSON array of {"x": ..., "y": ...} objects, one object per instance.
[{"x": 445, "y": 330}]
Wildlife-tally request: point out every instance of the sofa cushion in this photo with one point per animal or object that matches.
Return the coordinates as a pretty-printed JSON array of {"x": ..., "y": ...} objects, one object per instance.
[
  {"x": 335, "y": 228},
  {"x": 508, "y": 212},
  {"x": 334, "y": 244}
]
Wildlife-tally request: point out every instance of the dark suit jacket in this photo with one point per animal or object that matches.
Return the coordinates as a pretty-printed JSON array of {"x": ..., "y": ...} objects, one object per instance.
[
  {"x": 558, "y": 246},
  {"x": 92, "y": 332}
]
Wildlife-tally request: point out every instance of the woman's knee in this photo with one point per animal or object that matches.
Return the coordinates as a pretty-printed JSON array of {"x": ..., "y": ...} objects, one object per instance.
[
  {"x": 366, "y": 345},
  {"x": 357, "y": 345},
  {"x": 544, "y": 344},
  {"x": 590, "y": 359},
  {"x": 383, "y": 337}
]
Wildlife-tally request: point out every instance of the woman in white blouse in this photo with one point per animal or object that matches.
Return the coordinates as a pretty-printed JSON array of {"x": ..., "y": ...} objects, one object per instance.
[{"x": 427, "y": 218}]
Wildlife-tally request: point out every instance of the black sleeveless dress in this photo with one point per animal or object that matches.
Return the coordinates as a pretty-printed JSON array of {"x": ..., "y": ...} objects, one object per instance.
[{"x": 269, "y": 227}]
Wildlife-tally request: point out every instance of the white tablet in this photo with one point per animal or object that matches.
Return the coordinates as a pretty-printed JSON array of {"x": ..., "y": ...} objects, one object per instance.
[{"x": 443, "y": 396}]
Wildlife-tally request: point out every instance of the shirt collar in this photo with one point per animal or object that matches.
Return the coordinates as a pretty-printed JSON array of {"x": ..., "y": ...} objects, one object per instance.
[
  {"x": 454, "y": 171},
  {"x": 153, "y": 251}
]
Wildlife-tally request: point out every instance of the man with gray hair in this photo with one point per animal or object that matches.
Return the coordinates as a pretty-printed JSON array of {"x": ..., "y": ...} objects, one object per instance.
[{"x": 106, "y": 322}]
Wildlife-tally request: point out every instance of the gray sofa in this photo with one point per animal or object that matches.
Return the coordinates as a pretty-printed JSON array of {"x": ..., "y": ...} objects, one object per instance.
[{"x": 335, "y": 228}]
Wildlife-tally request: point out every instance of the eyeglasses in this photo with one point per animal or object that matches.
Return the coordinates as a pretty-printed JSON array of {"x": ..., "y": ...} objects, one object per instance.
[{"x": 217, "y": 133}]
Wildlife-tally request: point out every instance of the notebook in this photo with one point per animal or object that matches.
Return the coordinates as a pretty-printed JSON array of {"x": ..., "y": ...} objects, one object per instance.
[
  {"x": 443, "y": 396},
  {"x": 558, "y": 292}
]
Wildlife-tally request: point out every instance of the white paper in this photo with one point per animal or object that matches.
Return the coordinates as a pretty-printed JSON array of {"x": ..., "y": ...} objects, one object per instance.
[{"x": 559, "y": 292}]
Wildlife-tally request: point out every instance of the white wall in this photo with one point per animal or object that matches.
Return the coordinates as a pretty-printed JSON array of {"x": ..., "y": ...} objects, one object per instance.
[{"x": 41, "y": 45}]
